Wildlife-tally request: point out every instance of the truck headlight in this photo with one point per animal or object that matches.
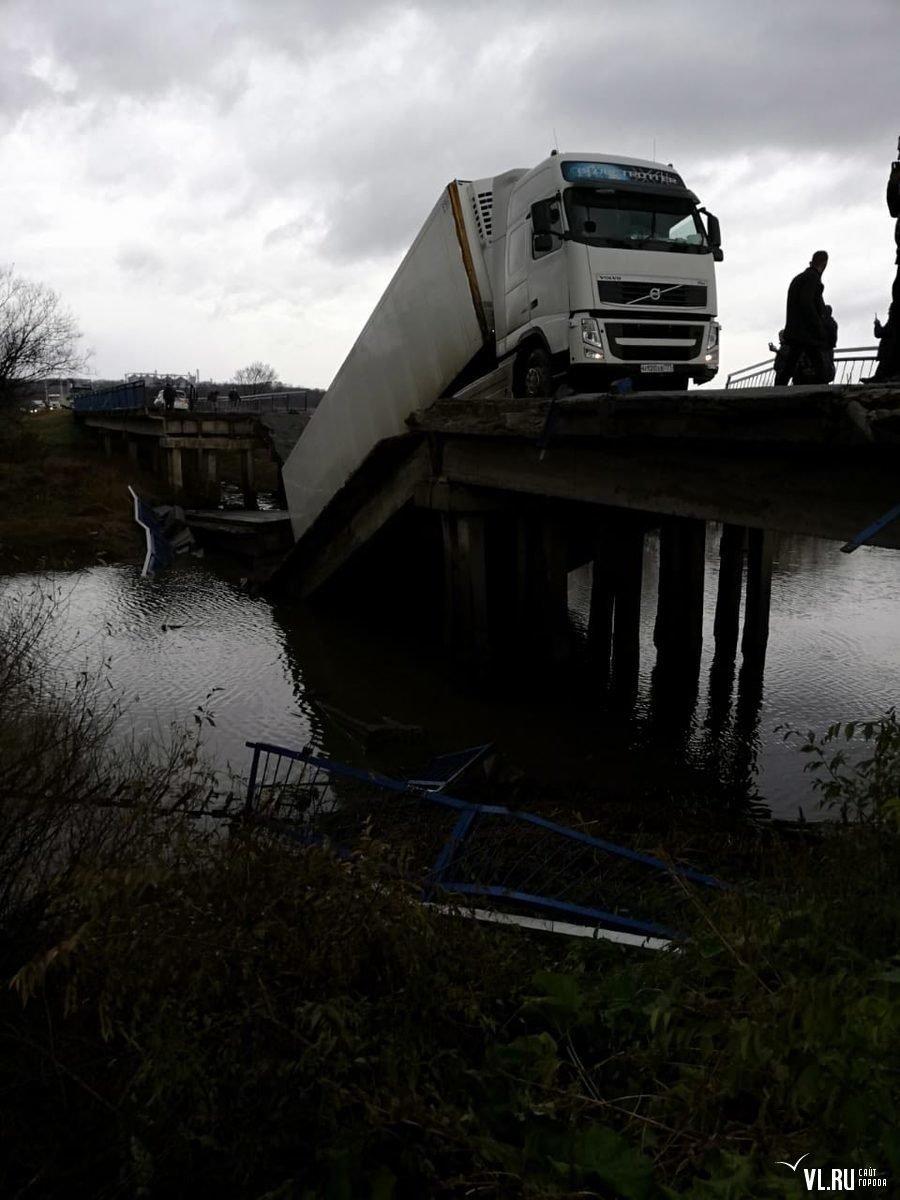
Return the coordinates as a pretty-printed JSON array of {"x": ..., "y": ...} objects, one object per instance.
[
  {"x": 590, "y": 337},
  {"x": 713, "y": 340}
]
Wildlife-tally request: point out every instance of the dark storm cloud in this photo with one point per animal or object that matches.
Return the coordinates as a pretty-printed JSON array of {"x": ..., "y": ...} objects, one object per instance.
[
  {"x": 800, "y": 73},
  {"x": 704, "y": 81},
  {"x": 120, "y": 49},
  {"x": 251, "y": 149},
  {"x": 805, "y": 75}
]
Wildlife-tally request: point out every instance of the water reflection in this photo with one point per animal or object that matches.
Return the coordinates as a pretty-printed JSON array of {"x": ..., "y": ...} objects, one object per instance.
[{"x": 703, "y": 735}]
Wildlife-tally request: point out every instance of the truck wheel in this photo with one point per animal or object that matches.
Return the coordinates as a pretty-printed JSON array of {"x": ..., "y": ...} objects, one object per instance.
[{"x": 536, "y": 376}]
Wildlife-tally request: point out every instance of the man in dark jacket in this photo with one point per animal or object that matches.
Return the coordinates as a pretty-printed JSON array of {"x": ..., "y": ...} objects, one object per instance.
[
  {"x": 806, "y": 330},
  {"x": 889, "y": 344}
]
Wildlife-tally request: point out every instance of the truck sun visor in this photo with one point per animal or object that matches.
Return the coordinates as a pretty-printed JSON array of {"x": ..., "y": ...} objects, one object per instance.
[{"x": 600, "y": 172}]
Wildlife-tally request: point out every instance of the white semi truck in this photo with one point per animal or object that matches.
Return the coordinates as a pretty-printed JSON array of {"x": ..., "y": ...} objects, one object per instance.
[{"x": 585, "y": 270}]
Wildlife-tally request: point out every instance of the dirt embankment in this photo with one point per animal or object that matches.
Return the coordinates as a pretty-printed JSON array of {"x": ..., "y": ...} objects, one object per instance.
[{"x": 62, "y": 503}]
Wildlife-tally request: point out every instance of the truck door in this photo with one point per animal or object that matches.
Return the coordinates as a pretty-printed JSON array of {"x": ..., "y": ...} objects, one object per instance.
[
  {"x": 517, "y": 251},
  {"x": 548, "y": 280}
]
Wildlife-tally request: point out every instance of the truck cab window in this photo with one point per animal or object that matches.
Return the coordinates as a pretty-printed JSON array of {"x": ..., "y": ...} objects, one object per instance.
[
  {"x": 546, "y": 227},
  {"x": 634, "y": 220}
]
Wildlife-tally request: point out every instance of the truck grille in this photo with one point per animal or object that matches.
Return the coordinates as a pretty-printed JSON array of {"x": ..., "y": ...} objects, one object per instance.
[
  {"x": 615, "y": 331},
  {"x": 628, "y": 291}
]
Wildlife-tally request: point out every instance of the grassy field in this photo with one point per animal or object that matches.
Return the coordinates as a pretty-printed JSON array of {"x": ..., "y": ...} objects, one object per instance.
[{"x": 63, "y": 504}]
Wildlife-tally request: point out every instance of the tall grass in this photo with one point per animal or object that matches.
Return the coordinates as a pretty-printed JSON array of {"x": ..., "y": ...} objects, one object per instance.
[{"x": 188, "y": 1014}]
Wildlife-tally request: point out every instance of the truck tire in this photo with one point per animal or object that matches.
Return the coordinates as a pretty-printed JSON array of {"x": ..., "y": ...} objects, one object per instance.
[{"x": 535, "y": 374}]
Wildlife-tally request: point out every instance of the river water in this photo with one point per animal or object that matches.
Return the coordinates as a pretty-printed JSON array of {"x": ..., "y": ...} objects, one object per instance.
[{"x": 167, "y": 643}]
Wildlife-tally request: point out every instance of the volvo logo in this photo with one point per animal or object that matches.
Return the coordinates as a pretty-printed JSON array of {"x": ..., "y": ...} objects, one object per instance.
[{"x": 655, "y": 293}]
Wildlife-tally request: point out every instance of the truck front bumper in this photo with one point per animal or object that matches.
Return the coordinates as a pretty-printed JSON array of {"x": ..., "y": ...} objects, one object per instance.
[{"x": 677, "y": 347}]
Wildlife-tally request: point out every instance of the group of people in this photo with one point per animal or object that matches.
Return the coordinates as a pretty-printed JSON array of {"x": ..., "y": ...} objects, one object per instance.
[
  {"x": 805, "y": 353},
  {"x": 170, "y": 395}
]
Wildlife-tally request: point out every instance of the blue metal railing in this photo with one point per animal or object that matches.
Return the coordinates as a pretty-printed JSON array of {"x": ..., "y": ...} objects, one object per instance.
[
  {"x": 123, "y": 398},
  {"x": 850, "y": 365},
  {"x": 518, "y": 859}
]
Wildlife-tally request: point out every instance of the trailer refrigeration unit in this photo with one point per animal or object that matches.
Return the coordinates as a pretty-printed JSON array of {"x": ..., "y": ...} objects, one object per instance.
[{"x": 588, "y": 269}]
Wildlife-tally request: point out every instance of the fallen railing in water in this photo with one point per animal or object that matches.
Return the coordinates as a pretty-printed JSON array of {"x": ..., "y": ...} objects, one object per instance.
[{"x": 521, "y": 868}]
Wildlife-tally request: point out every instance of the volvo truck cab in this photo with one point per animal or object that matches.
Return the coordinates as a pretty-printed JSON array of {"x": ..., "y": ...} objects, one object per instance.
[{"x": 602, "y": 269}]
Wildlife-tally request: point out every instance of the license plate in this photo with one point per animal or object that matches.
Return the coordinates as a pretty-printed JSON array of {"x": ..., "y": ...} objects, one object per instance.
[{"x": 657, "y": 368}]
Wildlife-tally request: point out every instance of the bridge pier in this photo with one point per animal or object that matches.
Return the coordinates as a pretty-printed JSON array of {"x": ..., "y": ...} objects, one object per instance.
[
  {"x": 678, "y": 633},
  {"x": 465, "y": 586},
  {"x": 209, "y": 472},
  {"x": 541, "y": 589},
  {"x": 175, "y": 471},
  {"x": 614, "y": 624},
  {"x": 728, "y": 592},
  {"x": 757, "y": 603},
  {"x": 247, "y": 480},
  {"x": 759, "y": 594}
]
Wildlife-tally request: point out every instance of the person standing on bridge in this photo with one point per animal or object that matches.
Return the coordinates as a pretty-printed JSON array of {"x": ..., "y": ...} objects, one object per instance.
[
  {"x": 806, "y": 329},
  {"x": 169, "y": 395}
]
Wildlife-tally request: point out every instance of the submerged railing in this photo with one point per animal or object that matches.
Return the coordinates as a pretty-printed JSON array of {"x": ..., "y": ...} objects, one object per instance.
[
  {"x": 850, "y": 366},
  {"x": 517, "y": 862}
]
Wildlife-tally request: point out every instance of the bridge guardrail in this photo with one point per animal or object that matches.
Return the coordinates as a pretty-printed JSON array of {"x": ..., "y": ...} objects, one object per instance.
[
  {"x": 125, "y": 397},
  {"x": 264, "y": 402},
  {"x": 850, "y": 364},
  {"x": 479, "y": 853}
]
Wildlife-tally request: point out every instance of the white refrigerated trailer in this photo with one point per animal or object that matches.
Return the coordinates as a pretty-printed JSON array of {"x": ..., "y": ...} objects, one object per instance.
[{"x": 586, "y": 270}]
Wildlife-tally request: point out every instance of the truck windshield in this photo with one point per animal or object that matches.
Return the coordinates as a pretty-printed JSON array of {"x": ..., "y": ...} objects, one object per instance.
[{"x": 636, "y": 220}]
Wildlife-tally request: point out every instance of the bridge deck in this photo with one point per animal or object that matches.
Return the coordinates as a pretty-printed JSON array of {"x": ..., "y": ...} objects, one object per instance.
[{"x": 820, "y": 461}]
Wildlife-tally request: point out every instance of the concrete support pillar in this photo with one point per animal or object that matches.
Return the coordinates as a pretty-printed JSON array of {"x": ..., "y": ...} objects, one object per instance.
[
  {"x": 542, "y": 598},
  {"x": 678, "y": 634},
  {"x": 759, "y": 594},
  {"x": 728, "y": 594},
  {"x": 247, "y": 470},
  {"x": 176, "y": 477},
  {"x": 210, "y": 474},
  {"x": 629, "y": 574},
  {"x": 600, "y": 619},
  {"x": 614, "y": 629},
  {"x": 192, "y": 461},
  {"x": 132, "y": 445},
  {"x": 465, "y": 586},
  {"x": 247, "y": 482},
  {"x": 107, "y": 445}
]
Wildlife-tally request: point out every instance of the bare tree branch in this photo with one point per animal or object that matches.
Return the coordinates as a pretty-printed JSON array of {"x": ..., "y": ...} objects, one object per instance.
[
  {"x": 256, "y": 372},
  {"x": 39, "y": 338}
]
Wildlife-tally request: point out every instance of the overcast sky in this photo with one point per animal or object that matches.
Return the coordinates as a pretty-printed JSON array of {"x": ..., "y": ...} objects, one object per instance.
[{"x": 209, "y": 183}]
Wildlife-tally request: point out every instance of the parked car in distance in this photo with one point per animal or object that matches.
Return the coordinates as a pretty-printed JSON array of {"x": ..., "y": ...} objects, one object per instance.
[{"x": 181, "y": 400}]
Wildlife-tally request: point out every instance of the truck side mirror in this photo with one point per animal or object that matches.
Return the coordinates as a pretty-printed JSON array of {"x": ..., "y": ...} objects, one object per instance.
[
  {"x": 542, "y": 243},
  {"x": 714, "y": 235}
]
